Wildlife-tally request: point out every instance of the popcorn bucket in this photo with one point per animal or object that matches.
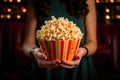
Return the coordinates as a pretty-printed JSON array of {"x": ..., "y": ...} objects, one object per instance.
[{"x": 60, "y": 49}]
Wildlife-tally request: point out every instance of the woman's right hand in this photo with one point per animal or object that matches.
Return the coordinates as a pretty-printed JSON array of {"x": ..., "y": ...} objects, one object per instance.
[{"x": 43, "y": 62}]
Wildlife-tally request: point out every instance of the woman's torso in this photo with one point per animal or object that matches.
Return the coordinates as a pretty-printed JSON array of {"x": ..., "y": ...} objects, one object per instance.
[
  {"x": 59, "y": 9},
  {"x": 85, "y": 71}
]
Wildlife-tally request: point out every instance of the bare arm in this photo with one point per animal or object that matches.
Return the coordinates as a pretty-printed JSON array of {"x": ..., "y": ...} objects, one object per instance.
[
  {"x": 30, "y": 27},
  {"x": 90, "y": 24},
  {"x": 29, "y": 41},
  {"x": 90, "y": 43}
]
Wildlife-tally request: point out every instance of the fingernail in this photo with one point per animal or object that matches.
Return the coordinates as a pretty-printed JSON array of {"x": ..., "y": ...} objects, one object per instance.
[{"x": 77, "y": 57}]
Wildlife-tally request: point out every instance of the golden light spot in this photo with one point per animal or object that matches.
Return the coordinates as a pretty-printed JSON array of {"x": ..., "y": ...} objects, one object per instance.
[
  {"x": 18, "y": 0},
  {"x": 9, "y": 10},
  {"x": 117, "y": 16},
  {"x": 10, "y": 0},
  {"x": 23, "y": 9},
  {"x": 8, "y": 16},
  {"x": 112, "y": 1},
  {"x": 18, "y": 16},
  {"x": 5, "y": 0},
  {"x": 107, "y": 17},
  {"x": 107, "y": 10},
  {"x": 2, "y": 16},
  {"x": 97, "y": 1}
]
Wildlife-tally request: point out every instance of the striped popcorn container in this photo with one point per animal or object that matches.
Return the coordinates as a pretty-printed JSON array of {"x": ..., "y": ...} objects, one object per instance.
[{"x": 60, "y": 49}]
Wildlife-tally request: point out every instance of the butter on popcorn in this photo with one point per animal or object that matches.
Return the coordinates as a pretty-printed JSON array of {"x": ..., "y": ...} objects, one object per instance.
[{"x": 59, "y": 29}]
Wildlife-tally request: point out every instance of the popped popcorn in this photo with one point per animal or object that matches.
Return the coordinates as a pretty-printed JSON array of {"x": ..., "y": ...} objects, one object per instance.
[{"x": 59, "y": 29}]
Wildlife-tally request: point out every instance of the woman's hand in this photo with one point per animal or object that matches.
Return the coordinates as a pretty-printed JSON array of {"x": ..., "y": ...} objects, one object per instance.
[
  {"x": 43, "y": 62},
  {"x": 76, "y": 61}
]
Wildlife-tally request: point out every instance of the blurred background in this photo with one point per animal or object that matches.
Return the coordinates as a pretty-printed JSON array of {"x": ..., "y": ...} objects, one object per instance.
[{"x": 14, "y": 65}]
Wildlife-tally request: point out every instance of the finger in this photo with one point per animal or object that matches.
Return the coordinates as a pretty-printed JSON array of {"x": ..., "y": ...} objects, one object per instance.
[
  {"x": 48, "y": 64},
  {"x": 66, "y": 66},
  {"x": 41, "y": 56},
  {"x": 41, "y": 50},
  {"x": 52, "y": 66},
  {"x": 80, "y": 53},
  {"x": 71, "y": 63}
]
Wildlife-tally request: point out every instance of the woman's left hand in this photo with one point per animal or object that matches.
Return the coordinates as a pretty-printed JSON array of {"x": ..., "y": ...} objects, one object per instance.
[{"x": 76, "y": 61}]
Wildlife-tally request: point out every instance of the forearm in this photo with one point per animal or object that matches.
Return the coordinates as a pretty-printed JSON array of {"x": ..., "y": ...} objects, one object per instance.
[
  {"x": 91, "y": 26},
  {"x": 91, "y": 46},
  {"x": 27, "y": 47}
]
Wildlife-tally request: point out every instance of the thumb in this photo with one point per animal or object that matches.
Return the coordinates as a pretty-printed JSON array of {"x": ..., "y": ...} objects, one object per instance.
[
  {"x": 41, "y": 56},
  {"x": 79, "y": 53}
]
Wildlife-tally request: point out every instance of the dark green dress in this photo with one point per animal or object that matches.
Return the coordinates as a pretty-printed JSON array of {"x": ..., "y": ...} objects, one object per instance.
[{"x": 85, "y": 70}]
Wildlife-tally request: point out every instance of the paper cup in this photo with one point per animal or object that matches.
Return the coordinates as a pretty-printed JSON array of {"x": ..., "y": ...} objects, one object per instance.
[{"x": 60, "y": 49}]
